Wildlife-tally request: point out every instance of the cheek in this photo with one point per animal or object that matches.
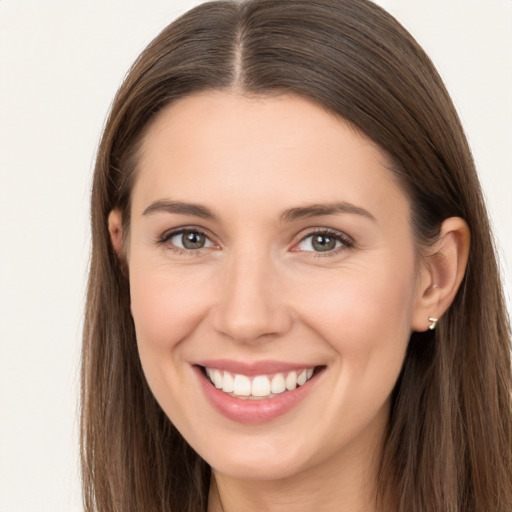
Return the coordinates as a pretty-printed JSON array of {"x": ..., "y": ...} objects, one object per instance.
[
  {"x": 364, "y": 315},
  {"x": 364, "y": 299},
  {"x": 366, "y": 321},
  {"x": 166, "y": 306}
]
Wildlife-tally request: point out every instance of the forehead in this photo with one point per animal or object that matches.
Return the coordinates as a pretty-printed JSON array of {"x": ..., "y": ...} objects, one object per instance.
[{"x": 227, "y": 149}]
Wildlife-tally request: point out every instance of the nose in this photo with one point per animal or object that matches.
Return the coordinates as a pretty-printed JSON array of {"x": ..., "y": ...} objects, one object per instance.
[{"x": 251, "y": 304}]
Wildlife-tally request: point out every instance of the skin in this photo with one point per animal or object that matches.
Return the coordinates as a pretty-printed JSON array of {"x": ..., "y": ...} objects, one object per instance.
[{"x": 258, "y": 290}]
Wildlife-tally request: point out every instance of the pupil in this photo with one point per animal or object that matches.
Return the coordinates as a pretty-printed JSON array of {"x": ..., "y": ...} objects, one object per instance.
[
  {"x": 323, "y": 243},
  {"x": 193, "y": 240}
]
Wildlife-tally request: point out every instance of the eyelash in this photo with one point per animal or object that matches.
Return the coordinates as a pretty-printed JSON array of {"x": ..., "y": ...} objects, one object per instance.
[
  {"x": 165, "y": 238},
  {"x": 345, "y": 241}
]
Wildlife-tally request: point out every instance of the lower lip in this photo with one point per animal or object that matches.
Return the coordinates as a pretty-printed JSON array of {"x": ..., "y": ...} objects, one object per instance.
[{"x": 254, "y": 411}]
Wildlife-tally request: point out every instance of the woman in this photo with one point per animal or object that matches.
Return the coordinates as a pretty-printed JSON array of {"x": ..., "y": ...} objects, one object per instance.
[{"x": 294, "y": 302}]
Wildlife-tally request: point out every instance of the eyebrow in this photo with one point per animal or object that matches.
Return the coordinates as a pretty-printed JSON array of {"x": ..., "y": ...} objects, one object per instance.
[
  {"x": 169, "y": 206},
  {"x": 315, "y": 210},
  {"x": 289, "y": 215}
]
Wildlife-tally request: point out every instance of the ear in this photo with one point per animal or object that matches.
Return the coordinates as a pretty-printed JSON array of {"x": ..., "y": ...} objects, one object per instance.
[
  {"x": 443, "y": 268},
  {"x": 115, "y": 228}
]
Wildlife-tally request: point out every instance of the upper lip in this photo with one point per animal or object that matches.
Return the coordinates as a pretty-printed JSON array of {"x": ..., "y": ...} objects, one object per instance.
[{"x": 254, "y": 368}]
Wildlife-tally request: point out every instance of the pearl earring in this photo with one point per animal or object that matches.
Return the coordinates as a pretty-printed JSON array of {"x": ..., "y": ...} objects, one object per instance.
[{"x": 433, "y": 323}]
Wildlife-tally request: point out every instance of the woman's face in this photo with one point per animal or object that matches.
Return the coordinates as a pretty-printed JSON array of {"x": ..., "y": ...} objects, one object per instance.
[{"x": 270, "y": 251}]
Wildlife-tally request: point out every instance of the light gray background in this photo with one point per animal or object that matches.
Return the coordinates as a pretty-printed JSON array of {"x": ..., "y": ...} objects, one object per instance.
[{"x": 60, "y": 65}]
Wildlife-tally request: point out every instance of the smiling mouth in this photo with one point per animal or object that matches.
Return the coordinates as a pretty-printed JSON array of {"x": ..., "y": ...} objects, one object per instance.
[{"x": 259, "y": 387}]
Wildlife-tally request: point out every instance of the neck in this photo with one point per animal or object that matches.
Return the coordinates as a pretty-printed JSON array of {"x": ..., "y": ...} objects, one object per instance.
[{"x": 347, "y": 482}]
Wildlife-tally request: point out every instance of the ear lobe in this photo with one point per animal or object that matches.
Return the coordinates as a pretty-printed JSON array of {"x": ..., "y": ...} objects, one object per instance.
[
  {"x": 443, "y": 270},
  {"x": 115, "y": 228}
]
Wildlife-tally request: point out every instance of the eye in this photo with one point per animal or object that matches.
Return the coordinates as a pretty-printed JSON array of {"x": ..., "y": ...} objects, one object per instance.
[
  {"x": 323, "y": 242},
  {"x": 188, "y": 239}
]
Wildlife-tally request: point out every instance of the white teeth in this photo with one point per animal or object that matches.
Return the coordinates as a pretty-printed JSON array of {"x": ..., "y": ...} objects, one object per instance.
[
  {"x": 260, "y": 385},
  {"x": 217, "y": 379},
  {"x": 228, "y": 385},
  {"x": 278, "y": 384},
  {"x": 242, "y": 385},
  {"x": 291, "y": 381}
]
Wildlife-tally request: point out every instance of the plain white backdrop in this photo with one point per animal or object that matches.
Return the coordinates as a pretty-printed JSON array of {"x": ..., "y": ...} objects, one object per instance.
[{"x": 60, "y": 65}]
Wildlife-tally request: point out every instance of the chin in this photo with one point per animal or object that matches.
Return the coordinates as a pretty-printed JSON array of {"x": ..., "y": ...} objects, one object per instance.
[
  {"x": 258, "y": 460},
  {"x": 261, "y": 469}
]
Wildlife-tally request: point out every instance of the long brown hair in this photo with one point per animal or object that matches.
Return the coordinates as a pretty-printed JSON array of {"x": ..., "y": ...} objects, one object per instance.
[{"x": 449, "y": 441}]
